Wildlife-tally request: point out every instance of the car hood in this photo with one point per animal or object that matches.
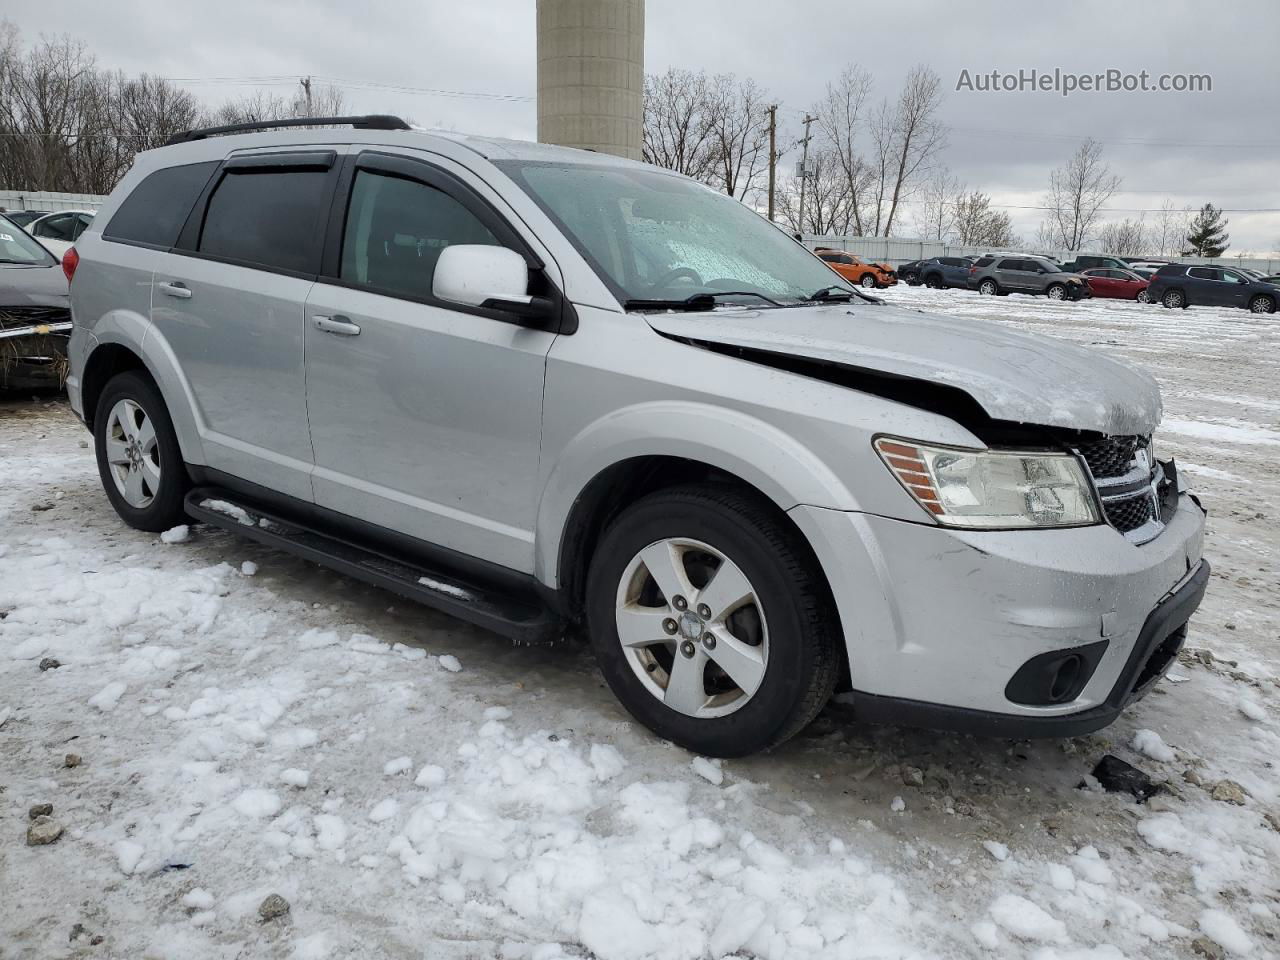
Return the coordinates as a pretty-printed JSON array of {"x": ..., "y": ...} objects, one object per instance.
[
  {"x": 1014, "y": 376},
  {"x": 34, "y": 286}
]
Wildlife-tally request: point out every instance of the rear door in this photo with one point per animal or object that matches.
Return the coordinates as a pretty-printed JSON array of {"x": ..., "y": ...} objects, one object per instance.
[
  {"x": 425, "y": 416},
  {"x": 1203, "y": 286},
  {"x": 229, "y": 302},
  {"x": 1235, "y": 288}
]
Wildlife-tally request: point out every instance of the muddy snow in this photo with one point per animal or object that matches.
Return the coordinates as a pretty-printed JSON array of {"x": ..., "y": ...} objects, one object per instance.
[{"x": 226, "y": 723}]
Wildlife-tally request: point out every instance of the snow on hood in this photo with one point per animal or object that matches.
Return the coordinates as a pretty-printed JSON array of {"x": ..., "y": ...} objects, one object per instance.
[{"x": 1014, "y": 376}]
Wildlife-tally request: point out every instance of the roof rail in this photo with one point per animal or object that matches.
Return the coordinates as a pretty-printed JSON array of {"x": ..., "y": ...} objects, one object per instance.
[{"x": 373, "y": 121}]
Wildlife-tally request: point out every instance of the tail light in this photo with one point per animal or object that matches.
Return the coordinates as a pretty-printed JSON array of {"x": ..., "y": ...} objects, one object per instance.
[
  {"x": 70, "y": 260},
  {"x": 972, "y": 271}
]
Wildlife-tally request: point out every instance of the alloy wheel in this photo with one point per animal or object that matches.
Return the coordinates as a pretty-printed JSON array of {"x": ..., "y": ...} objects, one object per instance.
[
  {"x": 692, "y": 628},
  {"x": 1262, "y": 305},
  {"x": 133, "y": 455},
  {"x": 1057, "y": 293},
  {"x": 868, "y": 281},
  {"x": 988, "y": 287}
]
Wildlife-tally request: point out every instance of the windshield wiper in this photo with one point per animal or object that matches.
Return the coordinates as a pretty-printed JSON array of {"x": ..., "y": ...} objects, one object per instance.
[
  {"x": 699, "y": 301},
  {"x": 833, "y": 293}
]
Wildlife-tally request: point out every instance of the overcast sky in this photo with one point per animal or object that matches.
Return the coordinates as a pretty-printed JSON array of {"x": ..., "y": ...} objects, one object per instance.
[{"x": 1222, "y": 146}]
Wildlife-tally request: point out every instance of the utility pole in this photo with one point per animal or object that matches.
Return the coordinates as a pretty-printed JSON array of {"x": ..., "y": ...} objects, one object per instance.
[
  {"x": 804, "y": 168},
  {"x": 773, "y": 153},
  {"x": 306, "y": 86}
]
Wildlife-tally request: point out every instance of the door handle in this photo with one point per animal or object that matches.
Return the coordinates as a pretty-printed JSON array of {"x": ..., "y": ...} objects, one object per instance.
[
  {"x": 338, "y": 324},
  {"x": 175, "y": 288}
]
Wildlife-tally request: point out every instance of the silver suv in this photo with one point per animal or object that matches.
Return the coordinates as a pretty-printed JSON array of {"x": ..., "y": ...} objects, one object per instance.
[
  {"x": 544, "y": 389},
  {"x": 1000, "y": 275}
]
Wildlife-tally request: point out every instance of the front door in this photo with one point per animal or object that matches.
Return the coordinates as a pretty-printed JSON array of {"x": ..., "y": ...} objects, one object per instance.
[{"x": 425, "y": 416}]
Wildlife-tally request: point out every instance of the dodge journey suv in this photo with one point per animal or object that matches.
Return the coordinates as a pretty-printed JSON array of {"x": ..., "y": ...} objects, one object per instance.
[{"x": 543, "y": 389}]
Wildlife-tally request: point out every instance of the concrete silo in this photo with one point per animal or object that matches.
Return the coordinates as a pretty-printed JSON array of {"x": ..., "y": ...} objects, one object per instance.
[{"x": 591, "y": 74}]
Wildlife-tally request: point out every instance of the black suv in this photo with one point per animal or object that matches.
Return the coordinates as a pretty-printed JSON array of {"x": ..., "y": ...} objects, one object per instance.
[{"x": 1181, "y": 285}]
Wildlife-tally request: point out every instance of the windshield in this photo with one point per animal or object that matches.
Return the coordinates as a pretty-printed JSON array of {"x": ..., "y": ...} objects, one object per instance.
[
  {"x": 17, "y": 246},
  {"x": 653, "y": 236}
]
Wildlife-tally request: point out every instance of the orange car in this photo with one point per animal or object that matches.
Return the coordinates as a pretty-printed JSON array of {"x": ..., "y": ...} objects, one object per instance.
[{"x": 858, "y": 271}]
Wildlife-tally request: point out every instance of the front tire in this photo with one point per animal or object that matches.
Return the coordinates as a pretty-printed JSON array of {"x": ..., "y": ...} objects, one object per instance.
[
  {"x": 867, "y": 281},
  {"x": 1262, "y": 304},
  {"x": 1056, "y": 291},
  {"x": 710, "y": 621},
  {"x": 138, "y": 456},
  {"x": 1143, "y": 297}
]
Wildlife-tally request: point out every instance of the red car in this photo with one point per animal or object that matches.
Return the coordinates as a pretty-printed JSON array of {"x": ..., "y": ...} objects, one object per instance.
[{"x": 1118, "y": 284}]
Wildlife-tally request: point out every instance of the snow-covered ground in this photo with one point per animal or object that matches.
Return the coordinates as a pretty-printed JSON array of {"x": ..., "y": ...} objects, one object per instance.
[{"x": 249, "y": 725}]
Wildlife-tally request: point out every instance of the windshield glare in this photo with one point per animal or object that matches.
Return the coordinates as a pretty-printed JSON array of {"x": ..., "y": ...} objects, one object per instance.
[
  {"x": 656, "y": 236},
  {"x": 17, "y": 246}
]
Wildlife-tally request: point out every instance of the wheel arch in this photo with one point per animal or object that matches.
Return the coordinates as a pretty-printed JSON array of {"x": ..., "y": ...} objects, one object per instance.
[
  {"x": 621, "y": 484},
  {"x": 148, "y": 353}
]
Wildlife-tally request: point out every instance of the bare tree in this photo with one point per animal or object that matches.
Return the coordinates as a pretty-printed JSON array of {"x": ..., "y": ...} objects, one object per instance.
[
  {"x": 739, "y": 134},
  {"x": 915, "y": 134},
  {"x": 1078, "y": 191},
  {"x": 976, "y": 224},
  {"x": 940, "y": 194},
  {"x": 1125, "y": 238},
  {"x": 1172, "y": 224},
  {"x": 828, "y": 206},
  {"x": 677, "y": 125},
  {"x": 842, "y": 119}
]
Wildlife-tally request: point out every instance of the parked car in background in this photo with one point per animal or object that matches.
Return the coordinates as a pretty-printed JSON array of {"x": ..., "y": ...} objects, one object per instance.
[
  {"x": 1033, "y": 275},
  {"x": 909, "y": 272},
  {"x": 22, "y": 217},
  {"x": 1086, "y": 261},
  {"x": 1116, "y": 284},
  {"x": 1147, "y": 268},
  {"x": 1183, "y": 285},
  {"x": 864, "y": 273},
  {"x": 35, "y": 315},
  {"x": 58, "y": 231},
  {"x": 944, "y": 272},
  {"x": 545, "y": 389},
  {"x": 1274, "y": 278}
]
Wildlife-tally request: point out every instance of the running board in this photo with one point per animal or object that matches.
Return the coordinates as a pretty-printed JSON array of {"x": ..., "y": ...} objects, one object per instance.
[{"x": 525, "y": 619}]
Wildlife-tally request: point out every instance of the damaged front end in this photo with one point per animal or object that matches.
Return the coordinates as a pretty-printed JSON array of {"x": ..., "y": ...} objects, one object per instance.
[{"x": 33, "y": 347}]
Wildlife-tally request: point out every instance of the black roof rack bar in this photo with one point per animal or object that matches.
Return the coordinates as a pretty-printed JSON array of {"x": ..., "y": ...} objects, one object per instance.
[{"x": 373, "y": 121}]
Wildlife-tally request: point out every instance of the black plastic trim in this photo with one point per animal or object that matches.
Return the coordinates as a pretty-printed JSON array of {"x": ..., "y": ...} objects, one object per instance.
[
  {"x": 1032, "y": 683},
  {"x": 372, "y": 121},
  {"x": 508, "y": 604},
  {"x": 281, "y": 160},
  {"x": 1167, "y": 622}
]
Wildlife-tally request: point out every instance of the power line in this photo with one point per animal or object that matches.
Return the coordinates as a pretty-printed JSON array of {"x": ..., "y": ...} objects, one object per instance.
[{"x": 280, "y": 80}]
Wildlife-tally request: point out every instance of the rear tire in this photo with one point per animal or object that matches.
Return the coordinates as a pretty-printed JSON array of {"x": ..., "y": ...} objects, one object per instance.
[
  {"x": 782, "y": 642},
  {"x": 138, "y": 456},
  {"x": 989, "y": 288},
  {"x": 1262, "y": 304},
  {"x": 1174, "y": 299}
]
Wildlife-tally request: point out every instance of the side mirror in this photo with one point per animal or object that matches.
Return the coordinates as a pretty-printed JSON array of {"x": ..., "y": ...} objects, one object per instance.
[{"x": 480, "y": 275}]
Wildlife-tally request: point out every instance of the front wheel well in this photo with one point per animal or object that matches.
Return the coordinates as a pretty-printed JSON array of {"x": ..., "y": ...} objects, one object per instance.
[
  {"x": 613, "y": 490},
  {"x": 103, "y": 364}
]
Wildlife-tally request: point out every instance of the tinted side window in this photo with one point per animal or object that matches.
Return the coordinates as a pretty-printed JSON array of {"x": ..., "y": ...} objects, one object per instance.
[
  {"x": 1010, "y": 264},
  {"x": 1203, "y": 273},
  {"x": 157, "y": 208},
  {"x": 829, "y": 257},
  {"x": 56, "y": 228},
  {"x": 271, "y": 218},
  {"x": 983, "y": 261},
  {"x": 396, "y": 229}
]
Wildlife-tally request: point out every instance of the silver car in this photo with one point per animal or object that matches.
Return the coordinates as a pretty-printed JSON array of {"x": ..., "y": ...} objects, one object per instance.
[{"x": 548, "y": 390}]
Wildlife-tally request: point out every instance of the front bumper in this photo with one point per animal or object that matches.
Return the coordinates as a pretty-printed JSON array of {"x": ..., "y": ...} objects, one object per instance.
[{"x": 938, "y": 621}]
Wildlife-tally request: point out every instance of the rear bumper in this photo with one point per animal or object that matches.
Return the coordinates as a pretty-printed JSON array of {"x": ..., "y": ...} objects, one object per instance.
[{"x": 938, "y": 622}]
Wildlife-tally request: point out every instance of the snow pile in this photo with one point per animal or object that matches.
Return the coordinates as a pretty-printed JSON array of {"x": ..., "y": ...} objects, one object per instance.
[{"x": 1149, "y": 744}]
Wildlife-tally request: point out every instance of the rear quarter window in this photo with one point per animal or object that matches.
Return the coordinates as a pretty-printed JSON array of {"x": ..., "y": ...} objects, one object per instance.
[{"x": 153, "y": 214}]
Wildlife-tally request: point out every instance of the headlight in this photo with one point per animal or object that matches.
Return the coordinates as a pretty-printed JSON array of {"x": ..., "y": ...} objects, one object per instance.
[{"x": 992, "y": 489}]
